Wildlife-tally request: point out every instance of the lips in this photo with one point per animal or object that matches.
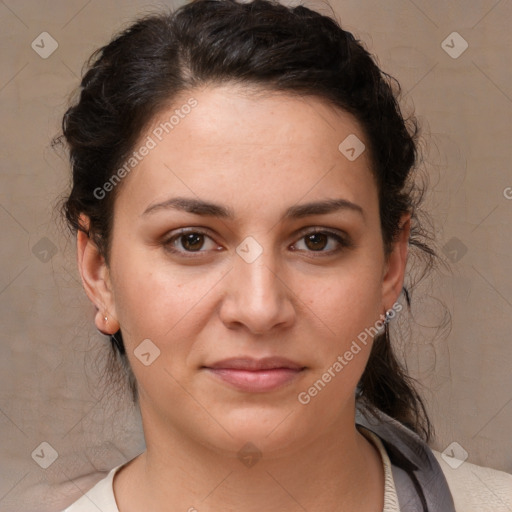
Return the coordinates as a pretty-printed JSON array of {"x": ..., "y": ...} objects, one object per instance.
[
  {"x": 255, "y": 375},
  {"x": 250, "y": 364}
]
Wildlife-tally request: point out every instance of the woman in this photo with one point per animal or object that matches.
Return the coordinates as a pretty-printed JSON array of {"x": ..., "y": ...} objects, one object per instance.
[{"x": 244, "y": 202}]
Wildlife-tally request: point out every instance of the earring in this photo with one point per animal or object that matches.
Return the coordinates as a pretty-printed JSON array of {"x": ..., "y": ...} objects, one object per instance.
[
  {"x": 390, "y": 313},
  {"x": 105, "y": 317}
]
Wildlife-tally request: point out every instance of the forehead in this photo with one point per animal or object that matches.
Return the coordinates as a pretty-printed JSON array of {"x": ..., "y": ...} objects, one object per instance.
[{"x": 251, "y": 147}]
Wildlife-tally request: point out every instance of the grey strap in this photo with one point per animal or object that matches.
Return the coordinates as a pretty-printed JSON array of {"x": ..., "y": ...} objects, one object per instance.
[{"x": 419, "y": 480}]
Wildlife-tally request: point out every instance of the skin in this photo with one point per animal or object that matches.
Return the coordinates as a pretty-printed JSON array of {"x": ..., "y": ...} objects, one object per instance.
[{"x": 257, "y": 154}]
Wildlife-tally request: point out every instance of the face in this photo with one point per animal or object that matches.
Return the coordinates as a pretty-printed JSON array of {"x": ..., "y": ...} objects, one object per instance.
[{"x": 267, "y": 269}]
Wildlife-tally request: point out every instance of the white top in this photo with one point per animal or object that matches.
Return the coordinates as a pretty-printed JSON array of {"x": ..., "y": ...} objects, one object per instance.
[{"x": 474, "y": 488}]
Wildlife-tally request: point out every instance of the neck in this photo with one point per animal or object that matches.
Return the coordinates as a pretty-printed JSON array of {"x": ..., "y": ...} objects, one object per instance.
[{"x": 338, "y": 469}]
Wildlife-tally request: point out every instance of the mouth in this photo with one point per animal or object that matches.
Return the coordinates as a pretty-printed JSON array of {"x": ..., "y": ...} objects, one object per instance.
[{"x": 256, "y": 375}]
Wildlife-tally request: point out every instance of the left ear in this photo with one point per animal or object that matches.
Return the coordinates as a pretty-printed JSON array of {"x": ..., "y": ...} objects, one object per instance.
[{"x": 393, "y": 279}]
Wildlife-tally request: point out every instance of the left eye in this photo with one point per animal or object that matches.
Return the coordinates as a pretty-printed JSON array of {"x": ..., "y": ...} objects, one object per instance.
[{"x": 317, "y": 241}]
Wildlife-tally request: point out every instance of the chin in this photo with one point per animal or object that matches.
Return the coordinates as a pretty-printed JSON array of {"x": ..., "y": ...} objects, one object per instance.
[{"x": 270, "y": 430}]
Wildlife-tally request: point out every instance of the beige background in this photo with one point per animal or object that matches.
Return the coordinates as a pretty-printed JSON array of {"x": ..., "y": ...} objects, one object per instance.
[{"x": 50, "y": 389}]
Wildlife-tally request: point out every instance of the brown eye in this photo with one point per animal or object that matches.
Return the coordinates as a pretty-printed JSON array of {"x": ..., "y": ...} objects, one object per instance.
[
  {"x": 192, "y": 241},
  {"x": 323, "y": 242},
  {"x": 316, "y": 241}
]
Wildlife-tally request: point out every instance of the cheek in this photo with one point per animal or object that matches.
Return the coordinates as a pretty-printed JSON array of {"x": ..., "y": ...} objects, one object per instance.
[
  {"x": 346, "y": 302},
  {"x": 160, "y": 302},
  {"x": 346, "y": 311},
  {"x": 165, "y": 307}
]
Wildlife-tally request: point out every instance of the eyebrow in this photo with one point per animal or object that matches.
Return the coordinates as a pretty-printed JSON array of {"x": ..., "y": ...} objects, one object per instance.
[{"x": 206, "y": 208}]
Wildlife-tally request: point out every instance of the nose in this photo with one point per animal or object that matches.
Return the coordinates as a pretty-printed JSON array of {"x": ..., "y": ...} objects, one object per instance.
[{"x": 257, "y": 296}]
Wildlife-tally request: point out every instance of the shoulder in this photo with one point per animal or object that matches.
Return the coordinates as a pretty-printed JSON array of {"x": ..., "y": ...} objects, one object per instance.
[
  {"x": 445, "y": 483},
  {"x": 99, "y": 497},
  {"x": 476, "y": 487}
]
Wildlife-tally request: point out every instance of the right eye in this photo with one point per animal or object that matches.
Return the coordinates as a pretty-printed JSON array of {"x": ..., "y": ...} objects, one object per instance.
[{"x": 191, "y": 241}]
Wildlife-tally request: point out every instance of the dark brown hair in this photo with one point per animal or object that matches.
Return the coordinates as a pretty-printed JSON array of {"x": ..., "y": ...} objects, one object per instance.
[{"x": 260, "y": 44}]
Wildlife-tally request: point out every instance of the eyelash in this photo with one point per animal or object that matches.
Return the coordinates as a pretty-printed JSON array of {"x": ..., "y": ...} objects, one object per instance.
[{"x": 343, "y": 241}]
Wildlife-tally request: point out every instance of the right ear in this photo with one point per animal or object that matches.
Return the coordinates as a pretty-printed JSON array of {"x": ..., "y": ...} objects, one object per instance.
[{"x": 95, "y": 276}]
